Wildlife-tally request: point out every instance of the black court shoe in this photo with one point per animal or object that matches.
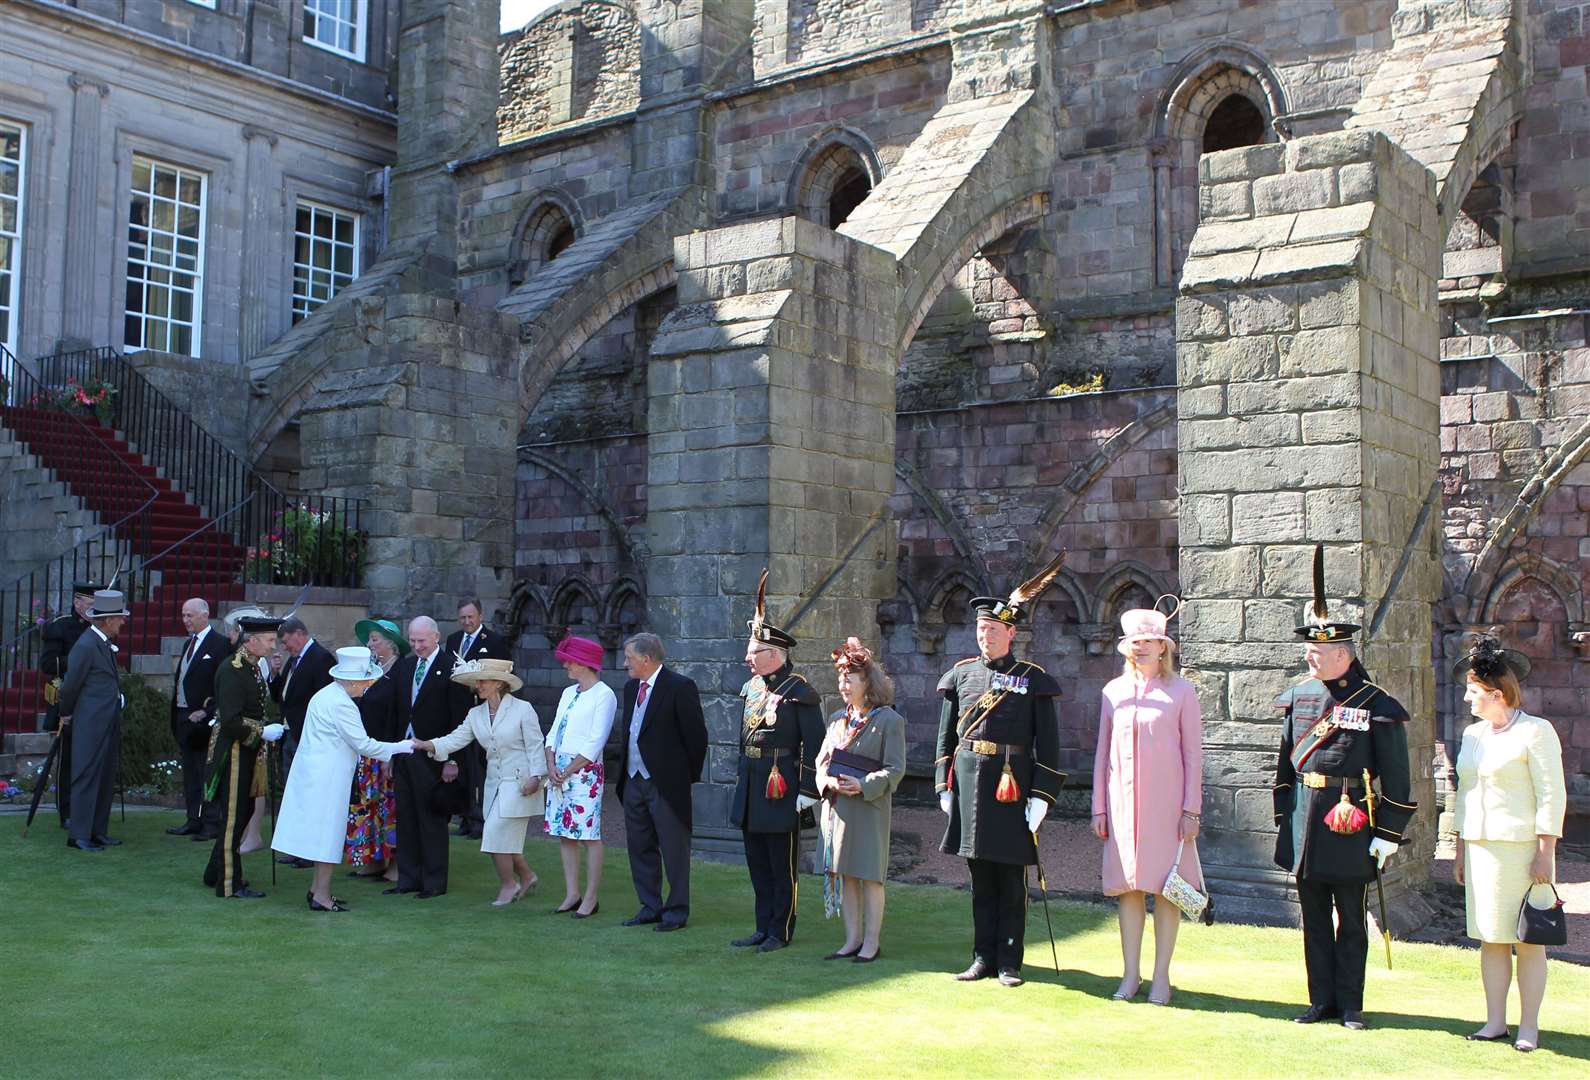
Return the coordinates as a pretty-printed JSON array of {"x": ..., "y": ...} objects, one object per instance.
[
  {"x": 1315, "y": 1014},
  {"x": 1501, "y": 1036},
  {"x": 336, "y": 905}
]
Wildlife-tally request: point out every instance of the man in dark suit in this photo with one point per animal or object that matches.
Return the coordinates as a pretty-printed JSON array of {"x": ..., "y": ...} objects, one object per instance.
[
  {"x": 59, "y": 637},
  {"x": 665, "y": 746},
  {"x": 304, "y": 673},
  {"x": 474, "y": 641},
  {"x": 91, "y": 706},
  {"x": 426, "y": 706},
  {"x": 192, "y": 706}
]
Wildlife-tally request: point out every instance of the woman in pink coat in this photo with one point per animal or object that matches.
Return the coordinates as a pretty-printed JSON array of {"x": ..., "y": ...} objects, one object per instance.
[{"x": 1147, "y": 791}]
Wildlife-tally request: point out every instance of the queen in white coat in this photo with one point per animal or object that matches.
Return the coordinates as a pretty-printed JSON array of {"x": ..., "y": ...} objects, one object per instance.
[
  {"x": 516, "y": 766},
  {"x": 313, "y": 822}
]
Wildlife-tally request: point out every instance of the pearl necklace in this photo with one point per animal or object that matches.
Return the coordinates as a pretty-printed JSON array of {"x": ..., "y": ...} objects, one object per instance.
[{"x": 1512, "y": 718}]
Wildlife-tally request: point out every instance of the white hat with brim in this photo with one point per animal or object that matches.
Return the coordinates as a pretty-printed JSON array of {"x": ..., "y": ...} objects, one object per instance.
[
  {"x": 1142, "y": 624},
  {"x": 355, "y": 664},
  {"x": 471, "y": 672}
]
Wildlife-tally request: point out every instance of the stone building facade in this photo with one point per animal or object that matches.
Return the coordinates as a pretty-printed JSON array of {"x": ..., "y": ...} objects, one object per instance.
[{"x": 898, "y": 297}]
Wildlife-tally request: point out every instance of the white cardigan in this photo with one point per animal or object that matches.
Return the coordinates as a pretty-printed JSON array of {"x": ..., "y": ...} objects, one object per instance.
[
  {"x": 589, "y": 723},
  {"x": 515, "y": 749},
  {"x": 1510, "y": 783}
]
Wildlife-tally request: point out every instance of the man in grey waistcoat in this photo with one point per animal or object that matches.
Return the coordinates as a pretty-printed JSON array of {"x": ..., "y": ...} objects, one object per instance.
[{"x": 91, "y": 704}]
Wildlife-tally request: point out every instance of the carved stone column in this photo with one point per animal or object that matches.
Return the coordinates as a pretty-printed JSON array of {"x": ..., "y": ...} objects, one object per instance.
[{"x": 78, "y": 302}]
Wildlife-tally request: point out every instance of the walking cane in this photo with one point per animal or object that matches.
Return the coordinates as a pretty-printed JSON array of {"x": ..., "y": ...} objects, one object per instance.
[
  {"x": 270, "y": 803},
  {"x": 1043, "y": 887}
]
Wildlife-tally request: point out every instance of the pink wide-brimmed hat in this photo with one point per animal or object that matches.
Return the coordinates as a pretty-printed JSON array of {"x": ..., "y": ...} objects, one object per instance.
[
  {"x": 1146, "y": 624},
  {"x": 579, "y": 650}
]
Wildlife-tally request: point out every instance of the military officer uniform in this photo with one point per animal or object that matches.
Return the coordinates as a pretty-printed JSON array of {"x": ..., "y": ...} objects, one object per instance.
[
  {"x": 782, "y": 731},
  {"x": 997, "y": 729},
  {"x": 60, "y": 634},
  {"x": 1331, "y": 733},
  {"x": 237, "y": 770}
]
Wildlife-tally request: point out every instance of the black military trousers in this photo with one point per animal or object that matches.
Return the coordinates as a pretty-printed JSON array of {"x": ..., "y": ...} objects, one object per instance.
[
  {"x": 224, "y": 873},
  {"x": 771, "y": 858},
  {"x": 999, "y": 913},
  {"x": 472, "y": 769},
  {"x": 1335, "y": 955}
]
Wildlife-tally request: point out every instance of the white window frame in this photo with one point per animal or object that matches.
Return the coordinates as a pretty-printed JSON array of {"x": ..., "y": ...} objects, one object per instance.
[
  {"x": 198, "y": 271},
  {"x": 204, "y": 3},
  {"x": 361, "y": 23},
  {"x": 13, "y": 299},
  {"x": 335, "y": 212}
]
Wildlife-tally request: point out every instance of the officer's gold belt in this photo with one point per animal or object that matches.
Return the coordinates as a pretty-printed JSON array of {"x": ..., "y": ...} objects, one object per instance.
[
  {"x": 991, "y": 749},
  {"x": 1321, "y": 780},
  {"x": 758, "y": 752}
]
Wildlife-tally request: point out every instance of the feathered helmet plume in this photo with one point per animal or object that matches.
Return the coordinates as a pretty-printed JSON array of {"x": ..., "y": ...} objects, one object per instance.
[{"x": 1014, "y": 610}]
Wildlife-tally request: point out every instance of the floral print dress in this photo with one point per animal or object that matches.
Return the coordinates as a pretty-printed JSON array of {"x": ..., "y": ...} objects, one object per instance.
[{"x": 574, "y": 807}]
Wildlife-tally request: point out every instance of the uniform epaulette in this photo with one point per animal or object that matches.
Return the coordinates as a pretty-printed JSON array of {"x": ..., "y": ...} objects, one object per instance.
[
  {"x": 237, "y": 659},
  {"x": 968, "y": 660},
  {"x": 1030, "y": 664}
]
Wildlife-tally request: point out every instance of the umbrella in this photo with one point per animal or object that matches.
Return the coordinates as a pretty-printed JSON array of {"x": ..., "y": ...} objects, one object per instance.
[{"x": 43, "y": 781}]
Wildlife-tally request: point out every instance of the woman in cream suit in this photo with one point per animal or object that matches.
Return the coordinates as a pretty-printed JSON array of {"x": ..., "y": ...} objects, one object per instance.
[
  {"x": 1511, "y": 800},
  {"x": 313, "y": 821},
  {"x": 516, "y": 765}
]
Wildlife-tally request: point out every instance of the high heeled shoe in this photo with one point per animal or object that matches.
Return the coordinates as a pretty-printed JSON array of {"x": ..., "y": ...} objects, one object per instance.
[
  {"x": 336, "y": 905},
  {"x": 526, "y": 888},
  {"x": 587, "y": 914},
  {"x": 1121, "y": 995}
]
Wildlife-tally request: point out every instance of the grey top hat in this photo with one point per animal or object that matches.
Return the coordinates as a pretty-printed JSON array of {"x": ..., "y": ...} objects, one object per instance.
[{"x": 107, "y": 603}]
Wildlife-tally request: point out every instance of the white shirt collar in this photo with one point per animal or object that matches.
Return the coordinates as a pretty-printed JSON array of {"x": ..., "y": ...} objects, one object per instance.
[
  {"x": 95, "y": 627},
  {"x": 198, "y": 639}
]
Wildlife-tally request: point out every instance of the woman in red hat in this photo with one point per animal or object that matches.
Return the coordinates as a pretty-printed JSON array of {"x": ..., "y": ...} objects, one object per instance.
[{"x": 574, "y": 771}]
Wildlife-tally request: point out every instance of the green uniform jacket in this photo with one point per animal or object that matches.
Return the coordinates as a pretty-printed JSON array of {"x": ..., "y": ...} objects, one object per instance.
[
  {"x": 789, "y": 735},
  {"x": 982, "y": 827},
  {"x": 240, "y": 697},
  {"x": 1312, "y": 720}
]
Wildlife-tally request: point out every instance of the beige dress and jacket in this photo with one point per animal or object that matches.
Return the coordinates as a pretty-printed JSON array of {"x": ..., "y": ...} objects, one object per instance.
[
  {"x": 858, "y": 825},
  {"x": 1510, "y": 792},
  {"x": 515, "y": 751}
]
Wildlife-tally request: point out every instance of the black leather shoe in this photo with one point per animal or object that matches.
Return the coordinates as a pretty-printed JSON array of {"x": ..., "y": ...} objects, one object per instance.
[
  {"x": 105, "y": 841},
  {"x": 187, "y": 828},
  {"x": 394, "y": 890},
  {"x": 1353, "y": 1020},
  {"x": 748, "y": 942},
  {"x": 1010, "y": 977},
  {"x": 247, "y": 894},
  {"x": 205, "y": 837},
  {"x": 640, "y": 920},
  {"x": 1500, "y": 1036},
  {"x": 587, "y": 914},
  {"x": 85, "y": 846},
  {"x": 1315, "y": 1014},
  {"x": 286, "y": 860},
  {"x": 978, "y": 970},
  {"x": 429, "y": 894},
  {"x": 669, "y": 927},
  {"x": 771, "y": 944},
  {"x": 859, "y": 959}
]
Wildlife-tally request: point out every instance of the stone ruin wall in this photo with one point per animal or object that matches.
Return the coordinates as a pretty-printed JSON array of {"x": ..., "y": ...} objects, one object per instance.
[
  {"x": 1089, "y": 289},
  {"x": 576, "y": 62}
]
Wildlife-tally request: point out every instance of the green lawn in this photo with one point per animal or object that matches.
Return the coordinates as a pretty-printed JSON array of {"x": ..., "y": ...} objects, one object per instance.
[{"x": 123, "y": 965}]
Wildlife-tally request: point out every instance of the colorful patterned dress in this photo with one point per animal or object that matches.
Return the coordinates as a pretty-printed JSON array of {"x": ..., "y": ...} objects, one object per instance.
[
  {"x": 372, "y": 808},
  {"x": 585, "y": 719}
]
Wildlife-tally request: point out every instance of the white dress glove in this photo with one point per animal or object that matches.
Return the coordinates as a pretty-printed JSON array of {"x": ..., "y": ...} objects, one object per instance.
[
  {"x": 1381, "y": 850},
  {"x": 803, "y": 801},
  {"x": 272, "y": 732},
  {"x": 945, "y": 798},
  {"x": 405, "y": 746},
  {"x": 1037, "y": 810}
]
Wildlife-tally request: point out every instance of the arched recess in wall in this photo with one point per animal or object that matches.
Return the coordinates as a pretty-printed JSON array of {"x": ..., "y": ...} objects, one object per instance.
[
  {"x": 528, "y": 609},
  {"x": 550, "y": 224},
  {"x": 1220, "y": 97},
  {"x": 1128, "y": 585},
  {"x": 1524, "y": 571},
  {"x": 836, "y": 171},
  {"x": 576, "y": 606},
  {"x": 625, "y": 611}
]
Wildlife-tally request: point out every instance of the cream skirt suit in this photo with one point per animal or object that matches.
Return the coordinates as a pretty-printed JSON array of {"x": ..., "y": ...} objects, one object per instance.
[
  {"x": 515, "y": 751},
  {"x": 1510, "y": 791}
]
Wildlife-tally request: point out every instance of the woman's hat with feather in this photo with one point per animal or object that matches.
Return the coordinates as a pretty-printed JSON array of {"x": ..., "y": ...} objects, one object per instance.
[
  {"x": 1014, "y": 611},
  {"x": 762, "y": 631},
  {"x": 1317, "y": 625},
  {"x": 1488, "y": 659}
]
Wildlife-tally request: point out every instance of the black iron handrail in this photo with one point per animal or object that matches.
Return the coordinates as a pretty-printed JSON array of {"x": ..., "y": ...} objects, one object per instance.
[{"x": 29, "y": 602}]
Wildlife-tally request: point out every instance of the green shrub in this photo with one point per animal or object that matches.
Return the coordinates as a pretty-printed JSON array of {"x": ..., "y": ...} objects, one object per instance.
[{"x": 148, "y": 754}]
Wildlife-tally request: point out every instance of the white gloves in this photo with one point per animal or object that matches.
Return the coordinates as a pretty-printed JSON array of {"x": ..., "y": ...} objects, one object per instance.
[
  {"x": 1381, "y": 850},
  {"x": 1037, "y": 810},
  {"x": 945, "y": 798},
  {"x": 273, "y": 732},
  {"x": 406, "y": 746},
  {"x": 803, "y": 801}
]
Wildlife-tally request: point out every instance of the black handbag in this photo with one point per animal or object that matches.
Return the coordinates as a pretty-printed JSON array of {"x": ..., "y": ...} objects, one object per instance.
[
  {"x": 855, "y": 766},
  {"x": 1542, "y": 926}
]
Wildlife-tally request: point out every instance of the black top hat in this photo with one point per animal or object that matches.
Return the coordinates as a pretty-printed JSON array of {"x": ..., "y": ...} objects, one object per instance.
[
  {"x": 763, "y": 631},
  {"x": 1317, "y": 625},
  {"x": 1489, "y": 660},
  {"x": 85, "y": 588},
  {"x": 1013, "y": 611},
  {"x": 258, "y": 624}
]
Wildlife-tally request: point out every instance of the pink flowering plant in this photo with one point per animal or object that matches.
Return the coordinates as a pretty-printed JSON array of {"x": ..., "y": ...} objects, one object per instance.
[
  {"x": 95, "y": 396},
  {"x": 307, "y": 545}
]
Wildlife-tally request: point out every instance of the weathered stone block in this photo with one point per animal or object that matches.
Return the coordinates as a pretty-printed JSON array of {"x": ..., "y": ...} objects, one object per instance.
[
  {"x": 1294, "y": 192},
  {"x": 1268, "y": 518}
]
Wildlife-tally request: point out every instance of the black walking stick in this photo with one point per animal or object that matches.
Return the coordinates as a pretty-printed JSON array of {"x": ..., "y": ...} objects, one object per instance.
[
  {"x": 1043, "y": 888},
  {"x": 43, "y": 781},
  {"x": 270, "y": 803}
]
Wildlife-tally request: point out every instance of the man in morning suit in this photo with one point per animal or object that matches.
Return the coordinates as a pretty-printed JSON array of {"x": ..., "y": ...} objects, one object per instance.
[
  {"x": 59, "y": 637},
  {"x": 427, "y": 706},
  {"x": 237, "y": 770},
  {"x": 776, "y": 778},
  {"x": 474, "y": 641},
  {"x": 192, "y": 706},
  {"x": 91, "y": 705},
  {"x": 997, "y": 773},
  {"x": 305, "y": 672},
  {"x": 1337, "y": 728},
  {"x": 665, "y": 747}
]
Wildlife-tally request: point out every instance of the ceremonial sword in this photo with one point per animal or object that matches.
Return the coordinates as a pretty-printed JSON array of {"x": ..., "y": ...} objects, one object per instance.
[{"x": 1380, "y": 887}]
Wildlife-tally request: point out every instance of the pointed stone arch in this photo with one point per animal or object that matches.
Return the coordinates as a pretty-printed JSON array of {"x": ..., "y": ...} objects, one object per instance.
[
  {"x": 836, "y": 171},
  {"x": 1531, "y": 565},
  {"x": 1123, "y": 579},
  {"x": 574, "y": 590}
]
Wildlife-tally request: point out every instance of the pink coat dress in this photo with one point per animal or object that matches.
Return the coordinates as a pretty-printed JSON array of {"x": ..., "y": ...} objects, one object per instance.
[{"x": 1148, "y": 769}]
